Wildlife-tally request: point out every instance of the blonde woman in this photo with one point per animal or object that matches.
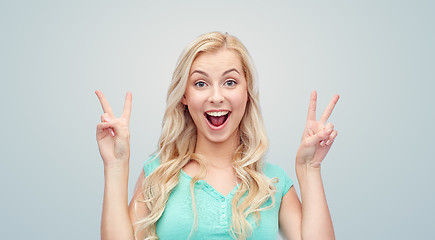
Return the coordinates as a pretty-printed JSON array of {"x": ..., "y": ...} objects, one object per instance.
[{"x": 208, "y": 179}]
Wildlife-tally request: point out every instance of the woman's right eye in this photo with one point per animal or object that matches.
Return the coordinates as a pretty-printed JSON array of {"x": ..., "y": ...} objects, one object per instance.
[{"x": 200, "y": 84}]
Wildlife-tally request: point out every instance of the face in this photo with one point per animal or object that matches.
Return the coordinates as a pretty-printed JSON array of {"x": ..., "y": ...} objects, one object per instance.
[{"x": 216, "y": 95}]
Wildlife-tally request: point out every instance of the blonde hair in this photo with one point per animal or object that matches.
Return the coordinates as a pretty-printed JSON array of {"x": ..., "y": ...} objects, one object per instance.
[{"x": 178, "y": 139}]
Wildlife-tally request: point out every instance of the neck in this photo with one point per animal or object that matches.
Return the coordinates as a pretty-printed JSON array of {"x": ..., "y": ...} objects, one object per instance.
[{"x": 218, "y": 154}]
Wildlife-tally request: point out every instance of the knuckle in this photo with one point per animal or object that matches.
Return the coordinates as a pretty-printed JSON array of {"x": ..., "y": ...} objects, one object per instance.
[{"x": 100, "y": 125}]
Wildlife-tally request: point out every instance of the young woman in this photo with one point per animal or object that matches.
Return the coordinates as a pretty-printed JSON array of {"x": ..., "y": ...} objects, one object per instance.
[{"x": 208, "y": 179}]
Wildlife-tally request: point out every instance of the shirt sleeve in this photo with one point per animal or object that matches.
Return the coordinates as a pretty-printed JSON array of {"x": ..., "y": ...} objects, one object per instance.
[
  {"x": 288, "y": 182},
  {"x": 285, "y": 182}
]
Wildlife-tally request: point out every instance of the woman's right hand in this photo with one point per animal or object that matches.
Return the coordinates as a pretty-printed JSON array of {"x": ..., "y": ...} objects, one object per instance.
[{"x": 113, "y": 135}]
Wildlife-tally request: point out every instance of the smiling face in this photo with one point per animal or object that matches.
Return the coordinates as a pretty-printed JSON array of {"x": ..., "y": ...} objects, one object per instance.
[{"x": 216, "y": 95}]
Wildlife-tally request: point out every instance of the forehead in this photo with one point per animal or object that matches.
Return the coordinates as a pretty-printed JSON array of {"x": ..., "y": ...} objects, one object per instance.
[{"x": 220, "y": 60}]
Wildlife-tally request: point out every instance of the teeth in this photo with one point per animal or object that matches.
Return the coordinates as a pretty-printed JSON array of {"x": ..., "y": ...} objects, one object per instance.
[{"x": 217, "y": 114}]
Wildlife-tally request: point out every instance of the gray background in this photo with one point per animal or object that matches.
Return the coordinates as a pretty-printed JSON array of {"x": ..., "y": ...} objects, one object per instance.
[{"x": 378, "y": 55}]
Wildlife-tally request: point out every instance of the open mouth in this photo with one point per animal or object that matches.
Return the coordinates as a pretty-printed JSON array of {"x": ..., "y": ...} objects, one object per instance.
[{"x": 217, "y": 118}]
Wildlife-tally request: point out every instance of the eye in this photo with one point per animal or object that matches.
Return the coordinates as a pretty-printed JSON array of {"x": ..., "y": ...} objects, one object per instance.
[
  {"x": 200, "y": 84},
  {"x": 230, "y": 83}
]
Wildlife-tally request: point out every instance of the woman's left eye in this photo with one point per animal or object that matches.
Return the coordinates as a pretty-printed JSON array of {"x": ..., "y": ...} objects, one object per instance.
[{"x": 230, "y": 83}]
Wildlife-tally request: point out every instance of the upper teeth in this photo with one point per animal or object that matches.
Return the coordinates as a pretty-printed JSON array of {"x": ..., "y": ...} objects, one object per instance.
[{"x": 217, "y": 114}]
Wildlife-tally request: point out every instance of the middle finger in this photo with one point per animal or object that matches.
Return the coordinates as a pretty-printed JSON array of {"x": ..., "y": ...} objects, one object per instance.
[{"x": 329, "y": 109}]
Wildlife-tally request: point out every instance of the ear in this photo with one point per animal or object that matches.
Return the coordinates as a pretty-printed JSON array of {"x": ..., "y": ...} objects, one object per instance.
[{"x": 183, "y": 100}]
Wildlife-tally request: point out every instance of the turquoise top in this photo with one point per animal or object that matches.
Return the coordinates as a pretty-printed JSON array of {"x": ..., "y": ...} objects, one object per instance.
[{"x": 214, "y": 209}]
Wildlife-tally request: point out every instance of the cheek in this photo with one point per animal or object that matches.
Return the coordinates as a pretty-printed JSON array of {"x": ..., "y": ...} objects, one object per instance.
[
  {"x": 194, "y": 104},
  {"x": 240, "y": 101},
  {"x": 193, "y": 107},
  {"x": 189, "y": 98}
]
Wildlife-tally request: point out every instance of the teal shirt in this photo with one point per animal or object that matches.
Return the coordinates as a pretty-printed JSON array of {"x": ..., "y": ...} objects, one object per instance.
[{"x": 214, "y": 209}]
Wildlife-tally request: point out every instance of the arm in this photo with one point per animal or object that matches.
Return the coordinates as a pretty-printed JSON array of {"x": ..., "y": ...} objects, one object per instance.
[
  {"x": 315, "y": 221},
  {"x": 113, "y": 139},
  {"x": 115, "y": 220},
  {"x": 290, "y": 216}
]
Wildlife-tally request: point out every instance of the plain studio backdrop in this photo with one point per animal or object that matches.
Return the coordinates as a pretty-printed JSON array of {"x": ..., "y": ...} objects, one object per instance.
[{"x": 378, "y": 55}]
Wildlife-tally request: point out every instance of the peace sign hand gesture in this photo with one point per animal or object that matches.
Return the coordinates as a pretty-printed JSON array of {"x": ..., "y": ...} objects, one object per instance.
[
  {"x": 317, "y": 138},
  {"x": 113, "y": 135}
]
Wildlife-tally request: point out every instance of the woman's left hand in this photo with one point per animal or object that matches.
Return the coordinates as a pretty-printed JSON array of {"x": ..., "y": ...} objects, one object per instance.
[{"x": 318, "y": 136}]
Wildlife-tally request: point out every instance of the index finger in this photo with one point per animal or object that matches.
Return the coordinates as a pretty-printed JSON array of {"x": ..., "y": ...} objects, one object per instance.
[
  {"x": 127, "y": 106},
  {"x": 329, "y": 109},
  {"x": 104, "y": 103},
  {"x": 312, "y": 107}
]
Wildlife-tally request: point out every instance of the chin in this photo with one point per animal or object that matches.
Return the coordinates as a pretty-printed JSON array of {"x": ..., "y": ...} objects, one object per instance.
[{"x": 222, "y": 137}]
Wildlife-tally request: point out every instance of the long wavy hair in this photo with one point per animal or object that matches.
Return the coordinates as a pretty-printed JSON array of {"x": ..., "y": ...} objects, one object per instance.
[{"x": 178, "y": 139}]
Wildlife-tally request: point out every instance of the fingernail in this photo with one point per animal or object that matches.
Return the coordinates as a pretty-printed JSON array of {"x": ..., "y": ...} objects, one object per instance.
[
  {"x": 328, "y": 142},
  {"x": 112, "y": 132}
]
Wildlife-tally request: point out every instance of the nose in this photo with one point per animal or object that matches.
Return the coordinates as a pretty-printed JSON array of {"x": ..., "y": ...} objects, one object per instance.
[{"x": 216, "y": 95}]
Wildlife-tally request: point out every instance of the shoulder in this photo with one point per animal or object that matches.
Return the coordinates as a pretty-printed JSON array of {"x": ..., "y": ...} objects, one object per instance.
[
  {"x": 274, "y": 171},
  {"x": 151, "y": 164}
]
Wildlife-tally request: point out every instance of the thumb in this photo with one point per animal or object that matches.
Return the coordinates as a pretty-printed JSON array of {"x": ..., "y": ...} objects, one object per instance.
[{"x": 102, "y": 129}]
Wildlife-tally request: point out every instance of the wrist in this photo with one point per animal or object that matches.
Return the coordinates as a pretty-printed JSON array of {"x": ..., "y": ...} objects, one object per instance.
[
  {"x": 117, "y": 168},
  {"x": 307, "y": 166},
  {"x": 306, "y": 170}
]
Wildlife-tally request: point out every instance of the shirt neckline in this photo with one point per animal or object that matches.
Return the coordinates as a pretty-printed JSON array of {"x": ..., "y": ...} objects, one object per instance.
[{"x": 202, "y": 184}]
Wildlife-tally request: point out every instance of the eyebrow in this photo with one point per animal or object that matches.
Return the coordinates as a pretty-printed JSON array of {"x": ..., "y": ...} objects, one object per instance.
[
  {"x": 200, "y": 72},
  {"x": 205, "y": 74},
  {"x": 230, "y": 70}
]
